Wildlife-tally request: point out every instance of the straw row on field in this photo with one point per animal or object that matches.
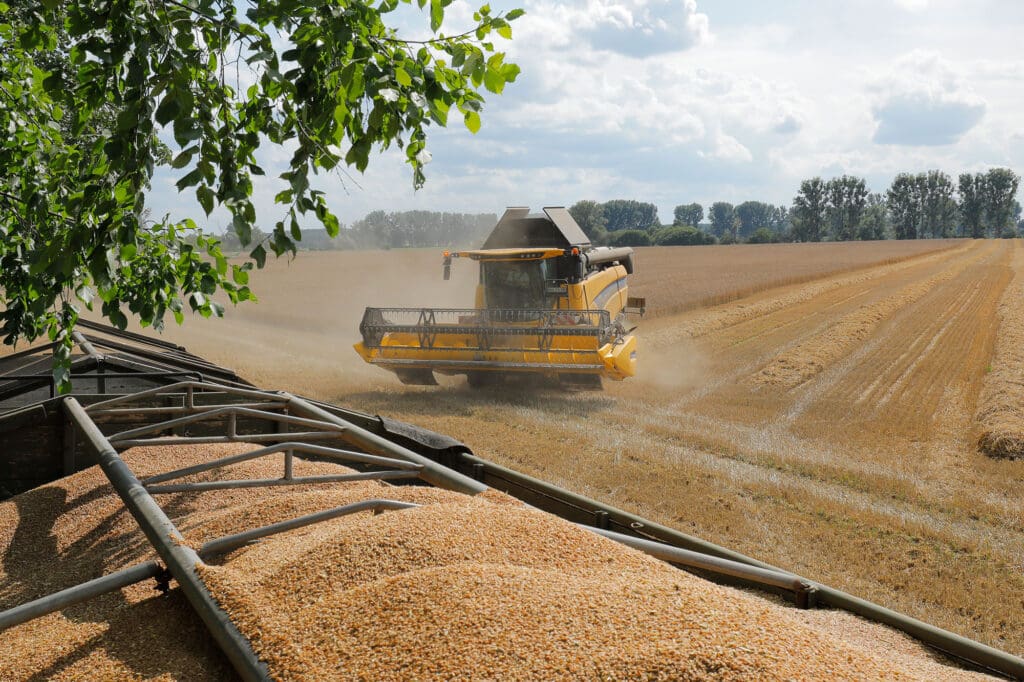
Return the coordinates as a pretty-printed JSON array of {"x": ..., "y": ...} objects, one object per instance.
[
  {"x": 730, "y": 314},
  {"x": 1001, "y": 404},
  {"x": 459, "y": 588},
  {"x": 800, "y": 363}
]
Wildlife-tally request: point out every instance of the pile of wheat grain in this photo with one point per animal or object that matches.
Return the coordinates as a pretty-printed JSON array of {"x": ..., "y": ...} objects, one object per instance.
[
  {"x": 800, "y": 363},
  {"x": 1001, "y": 404},
  {"x": 459, "y": 588}
]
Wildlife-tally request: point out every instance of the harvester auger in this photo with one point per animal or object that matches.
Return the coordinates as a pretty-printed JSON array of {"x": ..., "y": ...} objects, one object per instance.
[{"x": 548, "y": 303}]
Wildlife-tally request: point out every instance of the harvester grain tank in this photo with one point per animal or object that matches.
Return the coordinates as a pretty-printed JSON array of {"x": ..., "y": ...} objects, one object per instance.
[{"x": 548, "y": 303}]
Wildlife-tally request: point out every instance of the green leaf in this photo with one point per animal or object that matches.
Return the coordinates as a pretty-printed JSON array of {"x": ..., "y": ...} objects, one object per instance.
[
  {"x": 402, "y": 77},
  {"x": 117, "y": 318},
  {"x": 239, "y": 274},
  {"x": 473, "y": 121},
  {"x": 189, "y": 180},
  {"x": 169, "y": 108},
  {"x": 436, "y": 15},
  {"x": 205, "y": 196},
  {"x": 185, "y": 157},
  {"x": 259, "y": 254}
]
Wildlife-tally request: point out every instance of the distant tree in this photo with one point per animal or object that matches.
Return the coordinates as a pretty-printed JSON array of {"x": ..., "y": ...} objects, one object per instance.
[
  {"x": 847, "y": 197},
  {"x": 628, "y": 214},
  {"x": 938, "y": 208},
  {"x": 752, "y": 215},
  {"x": 809, "y": 210},
  {"x": 688, "y": 214},
  {"x": 722, "y": 215},
  {"x": 629, "y": 238},
  {"x": 874, "y": 221},
  {"x": 590, "y": 217},
  {"x": 763, "y": 235},
  {"x": 1000, "y": 194},
  {"x": 680, "y": 235},
  {"x": 229, "y": 240},
  {"x": 972, "y": 204},
  {"x": 779, "y": 221},
  {"x": 383, "y": 230},
  {"x": 904, "y": 200}
]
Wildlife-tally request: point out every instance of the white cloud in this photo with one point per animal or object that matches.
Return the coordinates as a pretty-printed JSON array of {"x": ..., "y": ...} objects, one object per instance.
[
  {"x": 924, "y": 100},
  {"x": 912, "y": 5},
  {"x": 638, "y": 28},
  {"x": 684, "y": 101}
]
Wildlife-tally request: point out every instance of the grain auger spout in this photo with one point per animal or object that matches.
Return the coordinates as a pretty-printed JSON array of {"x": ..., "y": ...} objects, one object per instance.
[{"x": 547, "y": 303}]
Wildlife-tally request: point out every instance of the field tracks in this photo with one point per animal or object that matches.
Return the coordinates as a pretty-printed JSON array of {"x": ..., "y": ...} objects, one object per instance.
[
  {"x": 709, "y": 320},
  {"x": 1001, "y": 404},
  {"x": 801, "y": 363}
]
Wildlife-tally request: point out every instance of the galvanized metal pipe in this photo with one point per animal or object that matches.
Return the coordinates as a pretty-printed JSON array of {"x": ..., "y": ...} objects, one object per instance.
[
  {"x": 232, "y": 413},
  {"x": 79, "y": 593},
  {"x": 238, "y": 438},
  {"x": 948, "y": 642},
  {"x": 432, "y": 472},
  {"x": 202, "y": 486},
  {"x": 86, "y": 346},
  {"x": 181, "y": 560},
  {"x": 286, "y": 447},
  {"x": 204, "y": 386},
  {"x": 764, "y": 576},
  {"x": 194, "y": 409},
  {"x": 230, "y": 543}
]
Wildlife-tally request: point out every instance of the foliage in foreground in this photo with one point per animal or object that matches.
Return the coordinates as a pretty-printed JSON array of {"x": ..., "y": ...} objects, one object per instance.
[{"x": 328, "y": 80}]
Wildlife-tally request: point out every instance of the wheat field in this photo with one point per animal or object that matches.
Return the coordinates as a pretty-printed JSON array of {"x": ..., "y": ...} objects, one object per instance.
[{"x": 817, "y": 406}]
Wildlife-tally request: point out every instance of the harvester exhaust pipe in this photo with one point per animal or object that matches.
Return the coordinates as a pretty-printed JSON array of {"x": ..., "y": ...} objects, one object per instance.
[{"x": 447, "y": 266}]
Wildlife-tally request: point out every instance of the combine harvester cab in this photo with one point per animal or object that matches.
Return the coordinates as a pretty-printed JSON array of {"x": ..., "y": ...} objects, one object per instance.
[{"x": 547, "y": 303}]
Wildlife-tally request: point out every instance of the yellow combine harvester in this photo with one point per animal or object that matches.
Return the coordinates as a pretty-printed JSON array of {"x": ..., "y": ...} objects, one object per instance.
[{"x": 548, "y": 303}]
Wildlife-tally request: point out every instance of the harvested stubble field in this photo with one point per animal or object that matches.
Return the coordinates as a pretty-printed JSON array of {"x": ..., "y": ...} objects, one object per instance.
[{"x": 863, "y": 473}]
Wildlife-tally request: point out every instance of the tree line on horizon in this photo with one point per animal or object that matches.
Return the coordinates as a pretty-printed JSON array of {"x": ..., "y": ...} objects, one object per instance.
[{"x": 915, "y": 206}]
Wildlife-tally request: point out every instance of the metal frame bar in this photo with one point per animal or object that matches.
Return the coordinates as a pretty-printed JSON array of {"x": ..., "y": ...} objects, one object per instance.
[
  {"x": 79, "y": 593},
  {"x": 237, "y": 438},
  {"x": 188, "y": 387},
  {"x": 203, "y": 486},
  {"x": 86, "y": 346},
  {"x": 801, "y": 588},
  {"x": 286, "y": 448},
  {"x": 113, "y": 331},
  {"x": 181, "y": 560},
  {"x": 432, "y": 472},
  {"x": 229, "y": 543},
  {"x": 181, "y": 409},
  {"x": 232, "y": 413}
]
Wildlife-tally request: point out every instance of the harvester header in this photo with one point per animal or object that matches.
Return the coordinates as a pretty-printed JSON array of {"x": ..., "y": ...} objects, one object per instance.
[{"x": 547, "y": 303}]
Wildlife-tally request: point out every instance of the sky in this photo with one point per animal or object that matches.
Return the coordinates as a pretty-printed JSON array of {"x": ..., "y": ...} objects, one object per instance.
[{"x": 676, "y": 101}]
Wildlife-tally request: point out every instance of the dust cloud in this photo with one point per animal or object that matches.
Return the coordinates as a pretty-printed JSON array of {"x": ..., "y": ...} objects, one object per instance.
[
  {"x": 678, "y": 367},
  {"x": 298, "y": 336}
]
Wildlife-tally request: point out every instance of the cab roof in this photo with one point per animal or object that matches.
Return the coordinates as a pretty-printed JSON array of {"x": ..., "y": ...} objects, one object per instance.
[{"x": 511, "y": 254}]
